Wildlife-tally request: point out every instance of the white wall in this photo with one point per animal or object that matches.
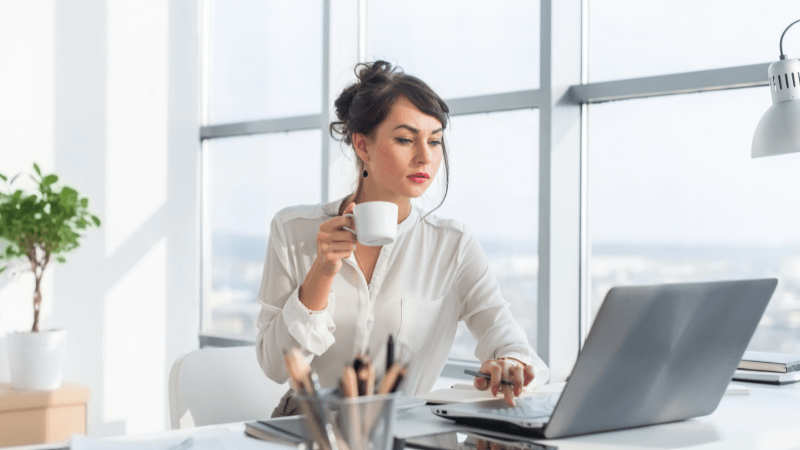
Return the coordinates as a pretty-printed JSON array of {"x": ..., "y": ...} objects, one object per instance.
[{"x": 106, "y": 93}]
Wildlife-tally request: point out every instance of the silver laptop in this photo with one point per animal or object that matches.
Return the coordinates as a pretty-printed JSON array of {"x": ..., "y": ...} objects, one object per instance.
[{"x": 655, "y": 354}]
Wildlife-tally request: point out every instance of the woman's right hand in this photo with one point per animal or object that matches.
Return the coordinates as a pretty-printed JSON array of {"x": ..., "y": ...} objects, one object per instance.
[{"x": 335, "y": 243}]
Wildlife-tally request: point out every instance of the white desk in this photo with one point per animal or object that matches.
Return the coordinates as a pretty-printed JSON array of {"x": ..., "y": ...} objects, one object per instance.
[{"x": 768, "y": 418}]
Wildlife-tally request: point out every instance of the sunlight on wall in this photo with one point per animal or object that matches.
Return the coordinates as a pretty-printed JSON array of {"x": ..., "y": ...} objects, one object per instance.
[
  {"x": 133, "y": 352},
  {"x": 136, "y": 170},
  {"x": 26, "y": 123}
]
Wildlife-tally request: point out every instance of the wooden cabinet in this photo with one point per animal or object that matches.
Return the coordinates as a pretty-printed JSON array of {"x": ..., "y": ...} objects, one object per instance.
[{"x": 36, "y": 417}]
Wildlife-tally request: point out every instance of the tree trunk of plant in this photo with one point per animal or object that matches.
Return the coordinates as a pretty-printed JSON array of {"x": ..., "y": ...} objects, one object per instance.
[{"x": 37, "y": 305}]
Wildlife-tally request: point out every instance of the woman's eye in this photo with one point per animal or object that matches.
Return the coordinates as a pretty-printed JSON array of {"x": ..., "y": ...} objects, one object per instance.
[
  {"x": 436, "y": 143},
  {"x": 404, "y": 140}
]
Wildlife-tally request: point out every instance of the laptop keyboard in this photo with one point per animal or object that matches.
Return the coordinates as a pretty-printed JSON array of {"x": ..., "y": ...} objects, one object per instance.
[{"x": 538, "y": 411}]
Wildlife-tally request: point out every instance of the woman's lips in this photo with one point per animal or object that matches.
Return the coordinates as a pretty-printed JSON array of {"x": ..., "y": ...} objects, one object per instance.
[{"x": 418, "y": 177}]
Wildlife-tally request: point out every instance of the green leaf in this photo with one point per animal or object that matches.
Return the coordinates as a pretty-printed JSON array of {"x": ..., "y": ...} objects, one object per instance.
[
  {"x": 69, "y": 197},
  {"x": 3, "y": 177},
  {"x": 96, "y": 220},
  {"x": 85, "y": 202},
  {"x": 36, "y": 168},
  {"x": 2, "y": 269},
  {"x": 50, "y": 179},
  {"x": 61, "y": 259}
]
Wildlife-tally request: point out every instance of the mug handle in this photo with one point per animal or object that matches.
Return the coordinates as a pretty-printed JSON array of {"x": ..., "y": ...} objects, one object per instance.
[{"x": 348, "y": 229}]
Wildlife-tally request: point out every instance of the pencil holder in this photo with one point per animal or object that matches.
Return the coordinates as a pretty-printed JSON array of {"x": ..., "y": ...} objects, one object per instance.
[{"x": 357, "y": 423}]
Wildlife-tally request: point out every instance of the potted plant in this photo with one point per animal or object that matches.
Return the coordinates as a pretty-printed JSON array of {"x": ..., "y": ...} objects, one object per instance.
[{"x": 38, "y": 227}]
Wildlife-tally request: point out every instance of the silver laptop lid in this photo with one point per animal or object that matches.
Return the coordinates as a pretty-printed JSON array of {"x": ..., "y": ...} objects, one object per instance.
[{"x": 659, "y": 354}]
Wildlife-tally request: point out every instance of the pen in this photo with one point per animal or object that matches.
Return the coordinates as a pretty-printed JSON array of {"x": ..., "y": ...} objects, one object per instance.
[
  {"x": 389, "y": 353},
  {"x": 487, "y": 376}
]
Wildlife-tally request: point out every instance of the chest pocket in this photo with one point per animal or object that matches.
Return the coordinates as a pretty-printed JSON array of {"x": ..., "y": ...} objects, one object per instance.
[{"x": 418, "y": 322}]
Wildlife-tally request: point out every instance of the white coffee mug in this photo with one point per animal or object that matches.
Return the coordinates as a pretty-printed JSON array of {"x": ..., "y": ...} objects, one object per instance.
[{"x": 375, "y": 223}]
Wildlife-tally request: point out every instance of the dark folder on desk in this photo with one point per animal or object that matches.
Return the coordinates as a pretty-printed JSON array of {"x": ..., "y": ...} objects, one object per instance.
[{"x": 285, "y": 430}]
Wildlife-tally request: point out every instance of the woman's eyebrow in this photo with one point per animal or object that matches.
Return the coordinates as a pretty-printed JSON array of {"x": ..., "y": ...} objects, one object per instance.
[{"x": 414, "y": 130}]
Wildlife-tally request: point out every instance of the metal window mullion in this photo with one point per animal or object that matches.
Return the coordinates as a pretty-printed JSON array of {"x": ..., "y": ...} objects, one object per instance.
[
  {"x": 559, "y": 187},
  {"x": 678, "y": 83},
  {"x": 277, "y": 125},
  {"x": 325, "y": 117},
  {"x": 507, "y": 101},
  {"x": 585, "y": 243}
]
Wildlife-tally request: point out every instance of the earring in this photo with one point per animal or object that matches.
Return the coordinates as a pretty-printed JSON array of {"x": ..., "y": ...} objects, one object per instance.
[{"x": 364, "y": 173}]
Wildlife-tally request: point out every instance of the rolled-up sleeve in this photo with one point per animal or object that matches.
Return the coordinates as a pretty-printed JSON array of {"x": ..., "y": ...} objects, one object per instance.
[
  {"x": 283, "y": 322},
  {"x": 487, "y": 314}
]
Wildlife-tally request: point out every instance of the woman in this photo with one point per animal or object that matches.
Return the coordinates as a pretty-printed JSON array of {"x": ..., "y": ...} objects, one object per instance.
[{"x": 334, "y": 298}]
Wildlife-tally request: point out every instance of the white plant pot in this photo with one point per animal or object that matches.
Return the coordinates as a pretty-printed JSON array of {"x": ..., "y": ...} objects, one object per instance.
[{"x": 36, "y": 360}]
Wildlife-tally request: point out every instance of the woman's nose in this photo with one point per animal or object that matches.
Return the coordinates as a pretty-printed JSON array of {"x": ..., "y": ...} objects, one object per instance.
[{"x": 424, "y": 152}]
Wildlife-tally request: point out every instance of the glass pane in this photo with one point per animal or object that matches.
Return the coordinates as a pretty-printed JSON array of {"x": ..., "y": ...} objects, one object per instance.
[
  {"x": 494, "y": 190},
  {"x": 248, "y": 180},
  {"x": 459, "y": 47},
  {"x": 634, "y": 38},
  {"x": 266, "y": 59},
  {"x": 675, "y": 197}
]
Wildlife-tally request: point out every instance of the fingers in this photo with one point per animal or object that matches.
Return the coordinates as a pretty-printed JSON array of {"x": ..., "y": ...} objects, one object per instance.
[
  {"x": 338, "y": 247},
  {"x": 481, "y": 384},
  {"x": 336, "y": 224},
  {"x": 528, "y": 374},
  {"x": 349, "y": 208},
  {"x": 508, "y": 393},
  {"x": 341, "y": 236},
  {"x": 516, "y": 375},
  {"x": 496, "y": 372}
]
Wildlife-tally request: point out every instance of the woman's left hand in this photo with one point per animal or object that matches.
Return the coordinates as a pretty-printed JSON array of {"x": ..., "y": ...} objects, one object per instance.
[{"x": 508, "y": 369}]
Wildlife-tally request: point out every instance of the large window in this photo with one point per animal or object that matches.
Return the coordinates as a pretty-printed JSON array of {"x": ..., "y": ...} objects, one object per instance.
[
  {"x": 494, "y": 157},
  {"x": 676, "y": 197},
  {"x": 673, "y": 194},
  {"x": 631, "y": 39},
  {"x": 569, "y": 163},
  {"x": 254, "y": 77},
  {"x": 265, "y": 59},
  {"x": 459, "y": 47},
  {"x": 251, "y": 178}
]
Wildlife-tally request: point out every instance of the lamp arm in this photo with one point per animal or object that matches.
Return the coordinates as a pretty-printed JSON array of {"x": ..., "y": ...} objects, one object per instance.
[{"x": 784, "y": 32}]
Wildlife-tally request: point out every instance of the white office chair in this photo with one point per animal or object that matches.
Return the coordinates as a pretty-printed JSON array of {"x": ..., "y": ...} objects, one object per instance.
[{"x": 220, "y": 385}]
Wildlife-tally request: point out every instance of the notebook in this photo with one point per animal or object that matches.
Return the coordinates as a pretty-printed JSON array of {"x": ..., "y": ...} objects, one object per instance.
[
  {"x": 766, "y": 377},
  {"x": 466, "y": 393},
  {"x": 770, "y": 361}
]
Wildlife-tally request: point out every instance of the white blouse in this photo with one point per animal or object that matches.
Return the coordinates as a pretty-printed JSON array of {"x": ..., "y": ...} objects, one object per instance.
[{"x": 434, "y": 275}]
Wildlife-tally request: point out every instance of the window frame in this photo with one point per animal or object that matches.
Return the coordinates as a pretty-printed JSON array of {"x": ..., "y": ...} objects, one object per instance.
[{"x": 562, "y": 99}]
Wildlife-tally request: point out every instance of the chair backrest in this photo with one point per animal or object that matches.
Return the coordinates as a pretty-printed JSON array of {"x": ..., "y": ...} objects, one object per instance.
[{"x": 220, "y": 385}]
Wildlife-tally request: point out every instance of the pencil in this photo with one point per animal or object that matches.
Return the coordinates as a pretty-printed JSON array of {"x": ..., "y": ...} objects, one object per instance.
[
  {"x": 390, "y": 379},
  {"x": 349, "y": 383}
]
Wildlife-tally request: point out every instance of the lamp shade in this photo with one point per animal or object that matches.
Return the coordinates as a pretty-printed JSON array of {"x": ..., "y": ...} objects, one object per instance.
[{"x": 778, "y": 132}]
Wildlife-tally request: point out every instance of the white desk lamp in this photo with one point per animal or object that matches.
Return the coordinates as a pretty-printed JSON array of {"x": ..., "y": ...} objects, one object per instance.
[{"x": 778, "y": 132}]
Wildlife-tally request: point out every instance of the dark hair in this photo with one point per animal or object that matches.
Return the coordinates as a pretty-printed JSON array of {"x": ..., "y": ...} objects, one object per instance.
[{"x": 363, "y": 105}]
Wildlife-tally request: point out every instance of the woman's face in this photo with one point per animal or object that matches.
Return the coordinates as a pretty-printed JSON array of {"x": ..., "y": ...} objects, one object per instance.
[{"x": 403, "y": 155}]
